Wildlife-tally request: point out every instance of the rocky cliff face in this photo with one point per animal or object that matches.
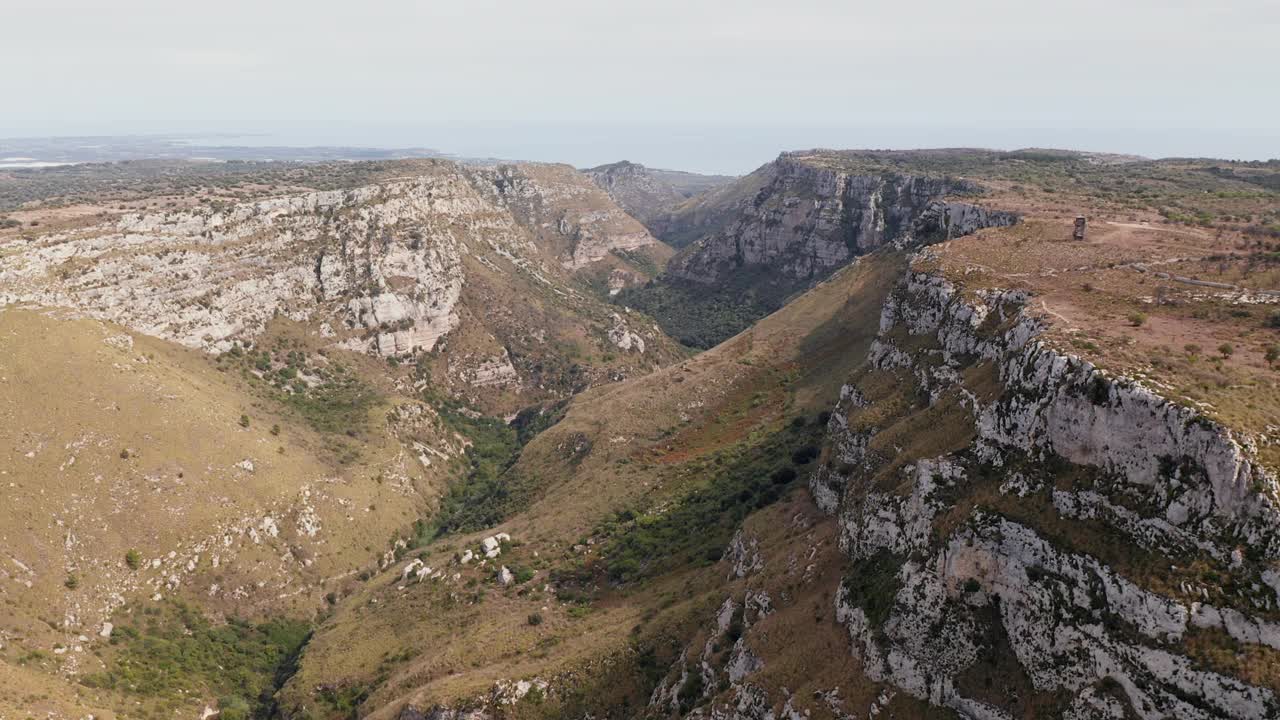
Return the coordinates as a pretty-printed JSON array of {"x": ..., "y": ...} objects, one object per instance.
[
  {"x": 389, "y": 269},
  {"x": 1015, "y": 513},
  {"x": 637, "y": 190},
  {"x": 575, "y": 218},
  {"x": 802, "y": 220}
]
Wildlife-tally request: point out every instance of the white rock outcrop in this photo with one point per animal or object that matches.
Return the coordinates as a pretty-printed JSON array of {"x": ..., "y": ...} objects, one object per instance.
[{"x": 1158, "y": 477}]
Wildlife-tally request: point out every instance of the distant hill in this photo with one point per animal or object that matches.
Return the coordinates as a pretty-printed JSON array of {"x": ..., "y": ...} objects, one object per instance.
[{"x": 649, "y": 194}]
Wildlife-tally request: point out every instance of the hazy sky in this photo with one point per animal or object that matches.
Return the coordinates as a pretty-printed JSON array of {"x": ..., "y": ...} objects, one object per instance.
[{"x": 720, "y": 85}]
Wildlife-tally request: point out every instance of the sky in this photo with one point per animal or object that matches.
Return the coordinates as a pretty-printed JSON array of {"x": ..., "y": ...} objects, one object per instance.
[{"x": 712, "y": 86}]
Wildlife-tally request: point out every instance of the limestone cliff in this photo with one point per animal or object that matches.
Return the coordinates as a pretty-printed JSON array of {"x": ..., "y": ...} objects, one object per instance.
[
  {"x": 801, "y": 220},
  {"x": 390, "y": 269},
  {"x": 571, "y": 216},
  {"x": 1075, "y": 533}
]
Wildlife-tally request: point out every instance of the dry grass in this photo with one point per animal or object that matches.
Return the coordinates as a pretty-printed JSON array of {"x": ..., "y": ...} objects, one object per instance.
[
  {"x": 1090, "y": 293},
  {"x": 110, "y": 447},
  {"x": 650, "y": 438}
]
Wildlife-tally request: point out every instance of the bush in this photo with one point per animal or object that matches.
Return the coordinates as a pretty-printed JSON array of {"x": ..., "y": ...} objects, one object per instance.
[
  {"x": 275, "y": 429},
  {"x": 233, "y": 707},
  {"x": 698, "y": 527},
  {"x": 72, "y": 582},
  {"x": 172, "y": 651},
  {"x": 1192, "y": 349},
  {"x": 133, "y": 559},
  {"x": 872, "y": 584},
  {"x": 535, "y": 619},
  {"x": 805, "y": 455},
  {"x": 244, "y": 421},
  {"x": 1227, "y": 350},
  {"x": 1137, "y": 319},
  {"x": 1272, "y": 356},
  {"x": 782, "y": 476}
]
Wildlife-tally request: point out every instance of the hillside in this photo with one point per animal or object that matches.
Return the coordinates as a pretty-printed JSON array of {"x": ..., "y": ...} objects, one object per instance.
[
  {"x": 1027, "y": 502},
  {"x": 650, "y": 461},
  {"x": 749, "y": 246},
  {"x": 651, "y": 195},
  {"x": 428, "y": 266},
  {"x": 222, "y": 408},
  {"x": 137, "y": 471},
  {"x": 956, "y": 464}
]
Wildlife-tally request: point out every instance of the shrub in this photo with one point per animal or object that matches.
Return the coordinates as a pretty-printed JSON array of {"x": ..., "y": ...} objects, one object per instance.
[
  {"x": 782, "y": 476},
  {"x": 1192, "y": 349},
  {"x": 1226, "y": 349},
  {"x": 535, "y": 619},
  {"x": 805, "y": 454},
  {"x": 233, "y": 707},
  {"x": 275, "y": 429},
  {"x": 872, "y": 584},
  {"x": 697, "y": 528},
  {"x": 1137, "y": 319},
  {"x": 133, "y": 559},
  {"x": 175, "y": 651},
  {"x": 244, "y": 421},
  {"x": 1272, "y": 356},
  {"x": 72, "y": 582}
]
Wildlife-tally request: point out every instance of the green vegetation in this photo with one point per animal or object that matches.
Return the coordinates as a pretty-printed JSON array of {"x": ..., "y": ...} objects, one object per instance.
[
  {"x": 489, "y": 491},
  {"x": 166, "y": 653},
  {"x": 698, "y": 527},
  {"x": 872, "y": 584},
  {"x": 133, "y": 558},
  {"x": 639, "y": 259},
  {"x": 338, "y": 404},
  {"x": 343, "y": 700},
  {"x": 332, "y": 399},
  {"x": 702, "y": 316}
]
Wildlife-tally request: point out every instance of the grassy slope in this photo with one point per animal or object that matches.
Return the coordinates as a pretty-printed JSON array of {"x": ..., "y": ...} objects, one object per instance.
[
  {"x": 108, "y": 448},
  {"x": 641, "y": 445}
]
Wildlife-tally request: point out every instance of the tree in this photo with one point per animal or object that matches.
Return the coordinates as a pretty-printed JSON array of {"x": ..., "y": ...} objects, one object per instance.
[
  {"x": 1227, "y": 350},
  {"x": 1272, "y": 355}
]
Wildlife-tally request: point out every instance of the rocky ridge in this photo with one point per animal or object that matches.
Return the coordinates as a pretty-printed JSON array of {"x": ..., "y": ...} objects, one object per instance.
[
  {"x": 650, "y": 195},
  {"x": 389, "y": 269},
  {"x": 1088, "y": 626},
  {"x": 805, "y": 220}
]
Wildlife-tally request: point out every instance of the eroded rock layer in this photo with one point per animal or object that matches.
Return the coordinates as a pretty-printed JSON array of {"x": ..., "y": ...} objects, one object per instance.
[{"x": 1073, "y": 534}]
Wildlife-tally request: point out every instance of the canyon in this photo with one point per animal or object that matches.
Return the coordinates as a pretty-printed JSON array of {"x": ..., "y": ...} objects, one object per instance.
[{"x": 859, "y": 434}]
